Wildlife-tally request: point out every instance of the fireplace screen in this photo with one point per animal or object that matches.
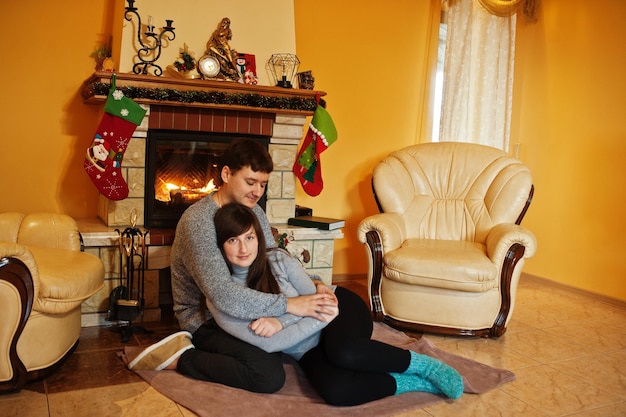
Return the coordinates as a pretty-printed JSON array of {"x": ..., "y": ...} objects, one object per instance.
[{"x": 181, "y": 168}]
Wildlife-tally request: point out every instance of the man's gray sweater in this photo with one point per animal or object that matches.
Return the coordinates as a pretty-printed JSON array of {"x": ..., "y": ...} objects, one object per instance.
[{"x": 199, "y": 272}]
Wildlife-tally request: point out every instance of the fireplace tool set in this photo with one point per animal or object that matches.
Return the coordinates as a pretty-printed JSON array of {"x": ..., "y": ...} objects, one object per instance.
[{"x": 126, "y": 302}]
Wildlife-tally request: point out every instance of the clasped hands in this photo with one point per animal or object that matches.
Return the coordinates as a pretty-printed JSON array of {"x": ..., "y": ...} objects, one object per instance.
[{"x": 322, "y": 305}]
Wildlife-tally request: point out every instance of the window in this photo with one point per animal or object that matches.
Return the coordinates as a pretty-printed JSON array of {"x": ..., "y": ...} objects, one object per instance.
[{"x": 441, "y": 55}]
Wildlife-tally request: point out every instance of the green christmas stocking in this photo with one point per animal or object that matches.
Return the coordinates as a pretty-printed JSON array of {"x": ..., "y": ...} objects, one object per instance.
[
  {"x": 103, "y": 161},
  {"x": 308, "y": 166}
]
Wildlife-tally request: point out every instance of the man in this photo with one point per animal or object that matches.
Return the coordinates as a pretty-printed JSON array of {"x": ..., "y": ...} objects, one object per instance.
[{"x": 199, "y": 271}]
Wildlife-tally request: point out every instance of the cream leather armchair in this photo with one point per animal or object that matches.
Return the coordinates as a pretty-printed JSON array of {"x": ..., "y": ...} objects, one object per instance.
[
  {"x": 44, "y": 278},
  {"x": 447, "y": 250}
]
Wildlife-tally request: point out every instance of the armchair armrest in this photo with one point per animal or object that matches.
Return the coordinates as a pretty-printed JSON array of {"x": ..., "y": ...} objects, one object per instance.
[
  {"x": 380, "y": 232},
  {"x": 507, "y": 244},
  {"x": 503, "y": 236},
  {"x": 389, "y": 226}
]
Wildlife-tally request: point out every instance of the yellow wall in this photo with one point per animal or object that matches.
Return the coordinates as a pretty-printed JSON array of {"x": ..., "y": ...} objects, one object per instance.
[
  {"x": 372, "y": 58},
  {"x": 568, "y": 115},
  {"x": 45, "y": 127}
]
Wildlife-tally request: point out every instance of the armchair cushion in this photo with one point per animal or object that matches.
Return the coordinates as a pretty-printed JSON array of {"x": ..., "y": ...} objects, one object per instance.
[{"x": 451, "y": 264}]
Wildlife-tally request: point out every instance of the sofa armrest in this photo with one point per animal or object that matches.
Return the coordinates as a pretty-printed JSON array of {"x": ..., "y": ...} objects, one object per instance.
[
  {"x": 50, "y": 230},
  {"x": 23, "y": 253},
  {"x": 17, "y": 294},
  {"x": 67, "y": 278},
  {"x": 10, "y": 226},
  {"x": 389, "y": 226}
]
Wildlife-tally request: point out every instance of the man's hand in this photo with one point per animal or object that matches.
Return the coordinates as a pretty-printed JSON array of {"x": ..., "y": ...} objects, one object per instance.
[
  {"x": 322, "y": 288},
  {"x": 266, "y": 326},
  {"x": 319, "y": 306},
  {"x": 331, "y": 316}
]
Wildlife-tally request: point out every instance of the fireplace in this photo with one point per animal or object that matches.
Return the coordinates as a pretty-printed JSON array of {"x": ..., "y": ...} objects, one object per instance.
[
  {"x": 205, "y": 108},
  {"x": 182, "y": 167}
]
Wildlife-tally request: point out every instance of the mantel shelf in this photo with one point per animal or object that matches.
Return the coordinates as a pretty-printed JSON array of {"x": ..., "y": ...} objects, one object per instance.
[{"x": 171, "y": 91}]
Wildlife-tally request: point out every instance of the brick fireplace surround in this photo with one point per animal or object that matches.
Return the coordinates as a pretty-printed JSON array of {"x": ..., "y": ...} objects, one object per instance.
[{"x": 285, "y": 129}]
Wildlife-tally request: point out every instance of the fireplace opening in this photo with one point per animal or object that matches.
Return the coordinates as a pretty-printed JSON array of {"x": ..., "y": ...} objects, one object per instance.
[{"x": 182, "y": 167}]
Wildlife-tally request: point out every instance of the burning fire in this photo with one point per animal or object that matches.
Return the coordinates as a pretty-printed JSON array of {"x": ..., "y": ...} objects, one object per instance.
[{"x": 169, "y": 192}]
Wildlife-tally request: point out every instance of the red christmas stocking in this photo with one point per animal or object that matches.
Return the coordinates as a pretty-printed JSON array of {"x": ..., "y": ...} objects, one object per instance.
[
  {"x": 308, "y": 166},
  {"x": 103, "y": 161}
]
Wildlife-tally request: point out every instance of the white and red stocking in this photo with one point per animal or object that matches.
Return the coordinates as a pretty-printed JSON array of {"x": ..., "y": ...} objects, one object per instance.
[{"x": 103, "y": 161}]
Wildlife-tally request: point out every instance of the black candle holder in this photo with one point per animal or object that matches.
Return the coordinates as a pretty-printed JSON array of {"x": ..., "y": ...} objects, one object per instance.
[{"x": 150, "y": 50}]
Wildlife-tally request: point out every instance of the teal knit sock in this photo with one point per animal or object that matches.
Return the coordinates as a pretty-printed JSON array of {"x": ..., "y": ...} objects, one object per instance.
[
  {"x": 443, "y": 376},
  {"x": 413, "y": 383}
]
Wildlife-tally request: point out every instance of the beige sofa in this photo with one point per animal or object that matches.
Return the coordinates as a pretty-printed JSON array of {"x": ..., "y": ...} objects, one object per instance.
[{"x": 44, "y": 278}]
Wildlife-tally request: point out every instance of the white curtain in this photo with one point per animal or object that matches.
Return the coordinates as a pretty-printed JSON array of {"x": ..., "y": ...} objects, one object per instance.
[{"x": 478, "y": 76}]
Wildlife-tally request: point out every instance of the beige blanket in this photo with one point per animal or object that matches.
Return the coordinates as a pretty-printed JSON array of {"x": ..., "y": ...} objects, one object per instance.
[{"x": 298, "y": 398}]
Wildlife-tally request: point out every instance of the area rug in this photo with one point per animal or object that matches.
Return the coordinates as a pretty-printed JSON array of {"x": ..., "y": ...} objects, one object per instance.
[{"x": 298, "y": 398}]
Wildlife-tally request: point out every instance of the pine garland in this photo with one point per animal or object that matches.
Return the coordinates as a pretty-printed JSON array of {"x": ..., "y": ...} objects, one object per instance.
[{"x": 209, "y": 97}]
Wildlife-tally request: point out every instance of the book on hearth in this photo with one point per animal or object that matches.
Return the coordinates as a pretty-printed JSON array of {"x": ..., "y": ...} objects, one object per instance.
[{"x": 323, "y": 223}]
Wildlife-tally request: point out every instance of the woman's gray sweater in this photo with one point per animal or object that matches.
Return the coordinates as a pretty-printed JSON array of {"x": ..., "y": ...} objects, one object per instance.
[
  {"x": 199, "y": 272},
  {"x": 299, "y": 334}
]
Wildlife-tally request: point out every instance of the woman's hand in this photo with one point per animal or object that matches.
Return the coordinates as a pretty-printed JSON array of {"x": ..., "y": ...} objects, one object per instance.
[
  {"x": 266, "y": 326},
  {"x": 320, "y": 306}
]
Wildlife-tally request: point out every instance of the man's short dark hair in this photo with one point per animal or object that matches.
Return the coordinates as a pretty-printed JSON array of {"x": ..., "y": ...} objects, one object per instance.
[{"x": 243, "y": 152}]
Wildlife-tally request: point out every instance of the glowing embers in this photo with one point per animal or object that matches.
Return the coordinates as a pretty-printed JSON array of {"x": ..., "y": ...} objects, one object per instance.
[{"x": 180, "y": 194}]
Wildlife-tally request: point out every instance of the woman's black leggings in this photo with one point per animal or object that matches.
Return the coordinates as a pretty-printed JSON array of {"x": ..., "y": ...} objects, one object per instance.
[
  {"x": 220, "y": 357},
  {"x": 347, "y": 367}
]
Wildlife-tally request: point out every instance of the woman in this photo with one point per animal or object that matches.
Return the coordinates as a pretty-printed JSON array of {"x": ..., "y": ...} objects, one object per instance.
[{"x": 341, "y": 361}]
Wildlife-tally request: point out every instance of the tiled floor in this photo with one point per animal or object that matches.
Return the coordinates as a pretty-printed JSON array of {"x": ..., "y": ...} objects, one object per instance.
[{"x": 567, "y": 350}]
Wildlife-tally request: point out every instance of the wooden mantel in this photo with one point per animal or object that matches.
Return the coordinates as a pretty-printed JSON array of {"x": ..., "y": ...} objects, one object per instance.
[{"x": 178, "y": 91}]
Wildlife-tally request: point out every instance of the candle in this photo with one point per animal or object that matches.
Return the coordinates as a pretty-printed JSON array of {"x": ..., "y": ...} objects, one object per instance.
[{"x": 150, "y": 21}]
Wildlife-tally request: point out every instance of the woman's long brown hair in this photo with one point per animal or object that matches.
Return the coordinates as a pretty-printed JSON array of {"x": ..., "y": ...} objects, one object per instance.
[{"x": 234, "y": 219}]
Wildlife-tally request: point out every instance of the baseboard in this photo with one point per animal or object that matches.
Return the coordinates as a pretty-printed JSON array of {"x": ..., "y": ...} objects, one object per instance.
[
  {"x": 99, "y": 319},
  {"x": 586, "y": 293},
  {"x": 94, "y": 319},
  {"x": 349, "y": 277}
]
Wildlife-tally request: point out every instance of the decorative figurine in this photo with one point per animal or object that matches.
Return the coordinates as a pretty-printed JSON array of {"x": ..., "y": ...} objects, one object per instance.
[
  {"x": 246, "y": 64},
  {"x": 218, "y": 47}
]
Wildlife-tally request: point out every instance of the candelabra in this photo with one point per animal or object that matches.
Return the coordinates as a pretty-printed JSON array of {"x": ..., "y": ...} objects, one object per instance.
[{"x": 151, "y": 43}]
